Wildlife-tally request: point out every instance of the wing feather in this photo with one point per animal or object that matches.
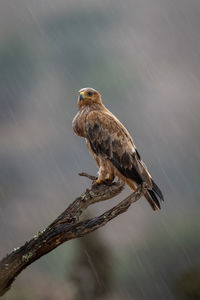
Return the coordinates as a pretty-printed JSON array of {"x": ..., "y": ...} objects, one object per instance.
[{"x": 108, "y": 137}]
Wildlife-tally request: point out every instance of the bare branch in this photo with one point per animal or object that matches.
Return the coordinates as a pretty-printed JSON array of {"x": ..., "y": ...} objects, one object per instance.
[
  {"x": 87, "y": 175},
  {"x": 64, "y": 228}
]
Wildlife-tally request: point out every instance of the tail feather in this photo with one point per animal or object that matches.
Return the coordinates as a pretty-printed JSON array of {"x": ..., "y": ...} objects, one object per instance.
[
  {"x": 152, "y": 199},
  {"x": 153, "y": 196},
  {"x": 156, "y": 190}
]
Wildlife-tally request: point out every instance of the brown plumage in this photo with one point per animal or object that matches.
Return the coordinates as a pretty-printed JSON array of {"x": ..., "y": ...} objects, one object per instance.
[{"x": 112, "y": 147}]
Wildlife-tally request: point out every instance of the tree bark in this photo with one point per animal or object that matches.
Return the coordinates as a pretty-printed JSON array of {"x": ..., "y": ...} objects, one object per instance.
[{"x": 66, "y": 227}]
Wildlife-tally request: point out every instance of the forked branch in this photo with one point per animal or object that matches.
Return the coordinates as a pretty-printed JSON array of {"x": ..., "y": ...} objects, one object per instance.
[{"x": 66, "y": 227}]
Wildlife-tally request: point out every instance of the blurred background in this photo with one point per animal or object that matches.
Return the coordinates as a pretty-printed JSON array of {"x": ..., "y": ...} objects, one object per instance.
[{"x": 143, "y": 56}]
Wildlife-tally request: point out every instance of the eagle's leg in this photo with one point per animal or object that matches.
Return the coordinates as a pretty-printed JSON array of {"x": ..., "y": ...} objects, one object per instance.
[{"x": 105, "y": 173}]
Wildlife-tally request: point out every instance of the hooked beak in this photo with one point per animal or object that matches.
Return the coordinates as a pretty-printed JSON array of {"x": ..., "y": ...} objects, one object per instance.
[{"x": 81, "y": 97}]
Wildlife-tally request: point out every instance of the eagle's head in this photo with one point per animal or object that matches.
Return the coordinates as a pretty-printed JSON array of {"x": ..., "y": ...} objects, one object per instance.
[{"x": 88, "y": 96}]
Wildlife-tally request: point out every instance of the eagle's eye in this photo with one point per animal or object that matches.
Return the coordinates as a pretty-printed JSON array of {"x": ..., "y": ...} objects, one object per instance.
[{"x": 90, "y": 94}]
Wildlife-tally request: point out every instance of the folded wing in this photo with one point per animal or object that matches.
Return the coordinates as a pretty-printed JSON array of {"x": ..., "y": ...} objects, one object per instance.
[{"x": 109, "y": 138}]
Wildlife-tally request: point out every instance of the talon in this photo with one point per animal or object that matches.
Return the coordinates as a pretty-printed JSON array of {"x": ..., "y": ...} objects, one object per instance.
[{"x": 97, "y": 181}]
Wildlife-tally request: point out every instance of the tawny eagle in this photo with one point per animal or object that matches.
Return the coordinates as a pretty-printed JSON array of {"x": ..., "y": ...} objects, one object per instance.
[{"x": 112, "y": 147}]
